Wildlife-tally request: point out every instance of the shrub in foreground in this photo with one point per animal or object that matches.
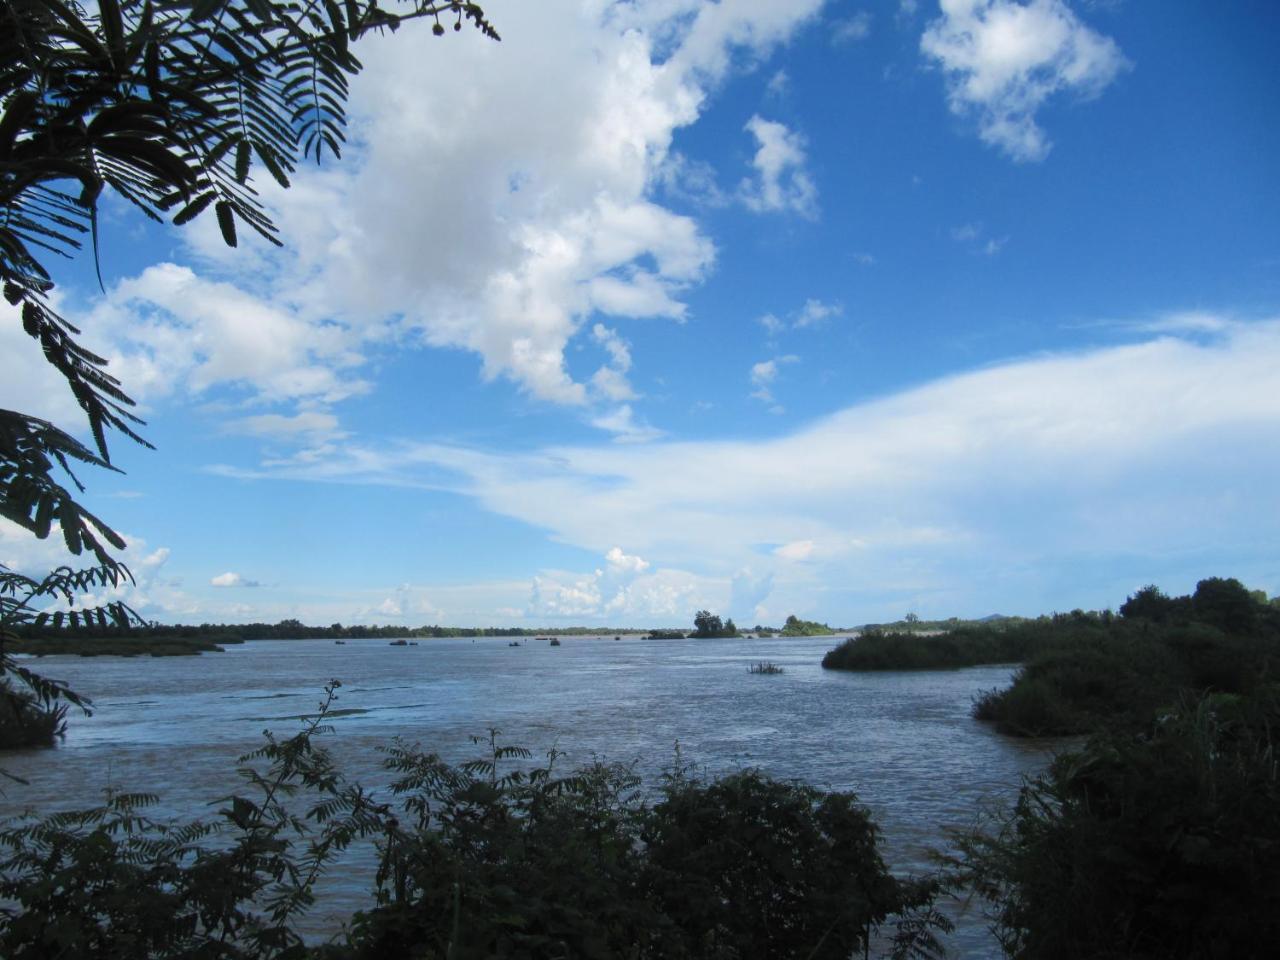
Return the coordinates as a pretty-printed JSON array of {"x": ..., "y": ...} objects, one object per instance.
[
  {"x": 496, "y": 857},
  {"x": 1163, "y": 844}
]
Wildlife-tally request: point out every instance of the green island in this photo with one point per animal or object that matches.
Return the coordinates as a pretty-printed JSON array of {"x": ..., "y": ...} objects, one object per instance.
[
  {"x": 162, "y": 645},
  {"x": 1085, "y": 671},
  {"x": 795, "y": 627}
]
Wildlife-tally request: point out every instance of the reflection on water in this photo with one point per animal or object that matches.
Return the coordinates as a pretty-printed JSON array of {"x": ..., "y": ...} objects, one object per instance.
[{"x": 904, "y": 742}]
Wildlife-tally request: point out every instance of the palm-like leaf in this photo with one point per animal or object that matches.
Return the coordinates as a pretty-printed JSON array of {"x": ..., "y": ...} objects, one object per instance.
[{"x": 172, "y": 104}]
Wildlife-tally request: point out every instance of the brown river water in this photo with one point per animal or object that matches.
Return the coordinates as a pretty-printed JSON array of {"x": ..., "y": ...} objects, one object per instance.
[{"x": 904, "y": 742}]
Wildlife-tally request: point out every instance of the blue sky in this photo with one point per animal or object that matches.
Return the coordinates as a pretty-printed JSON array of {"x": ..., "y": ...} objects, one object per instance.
[{"x": 841, "y": 309}]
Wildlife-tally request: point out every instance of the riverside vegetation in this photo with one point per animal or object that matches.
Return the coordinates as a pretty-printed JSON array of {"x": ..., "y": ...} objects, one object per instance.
[
  {"x": 1157, "y": 836},
  {"x": 496, "y": 857},
  {"x": 1082, "y": 671}
]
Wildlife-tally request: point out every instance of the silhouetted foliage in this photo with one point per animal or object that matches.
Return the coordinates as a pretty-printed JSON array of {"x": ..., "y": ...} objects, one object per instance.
[{"x": 173, "y": 105}]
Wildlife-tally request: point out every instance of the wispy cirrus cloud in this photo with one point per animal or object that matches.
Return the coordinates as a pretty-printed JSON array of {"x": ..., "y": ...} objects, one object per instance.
[{"x": 1144, "y": 450}]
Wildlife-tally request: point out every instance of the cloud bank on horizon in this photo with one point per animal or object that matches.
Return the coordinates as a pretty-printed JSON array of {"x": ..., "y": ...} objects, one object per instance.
[{"x": 714, "y": 263}]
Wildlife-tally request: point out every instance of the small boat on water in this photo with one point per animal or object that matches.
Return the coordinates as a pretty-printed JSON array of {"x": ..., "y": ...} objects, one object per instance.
[{"x": 399, "y": 643}]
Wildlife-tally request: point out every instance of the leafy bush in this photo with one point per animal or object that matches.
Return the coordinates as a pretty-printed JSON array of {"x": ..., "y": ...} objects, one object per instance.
[
  {"x": 752, "y": 867},
  {"x": 527, "y": 864},
  {"x": 1162, "y": 844},
  {"x": 110, "y": 883},
  {"x": 493, "y": 857}
]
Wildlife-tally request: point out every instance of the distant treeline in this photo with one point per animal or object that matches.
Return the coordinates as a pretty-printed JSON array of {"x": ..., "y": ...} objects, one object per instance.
[{"x": 297, "y": 630}]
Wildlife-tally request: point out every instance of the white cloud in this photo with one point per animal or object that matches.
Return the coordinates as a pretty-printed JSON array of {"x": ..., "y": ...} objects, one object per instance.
[
  {"x": 748, "y": 592},
  {"x": 763, "y": 374},
  {"x": 622, "y": 423},
  {"x": 547, "y": 201},
  {"x": 974, "y": 236},
  {"x": 495, "y": 215},
  {"x": 815, "y": 312},
  {"x": 796, "y": 550},
  {"x": 779, "y": 85},
  {"x": 177, "y": 329},
  {"x": 231, "y": 579},
  {"x": 772, "y": 325},
  {"x": 310, "y": 425},
  {"x": 151, "y": 593},
  {"x": 781, "y": 183},
  {"x": 623, "y": 591},
  {"x": 1149, "y": 449},
  {"x": 622, "y": 565},
  {"x": 28, "y": 382},
  {"x": 852, "y": 29},
  {"x": 610, "y": 381},
  {"x": 1005, "y": 59}
]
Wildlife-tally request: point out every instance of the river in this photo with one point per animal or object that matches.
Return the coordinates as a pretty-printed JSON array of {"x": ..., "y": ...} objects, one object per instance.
[{"x": 903, "y": 741}]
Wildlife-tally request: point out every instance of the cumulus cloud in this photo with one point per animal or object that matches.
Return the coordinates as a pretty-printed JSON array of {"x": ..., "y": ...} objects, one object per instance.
[
  {"x": 492, "y": 214},
  {"x": 781, "y": 183},
  {"x": 627, "y": 594},
  {"x": 231, "y": 579},
  {"x": 1004, "y": 59},
  {"x": 152, "y": 593},
  {"x": 623, "y": 588},
  {"x": 621, "y": 565}
]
